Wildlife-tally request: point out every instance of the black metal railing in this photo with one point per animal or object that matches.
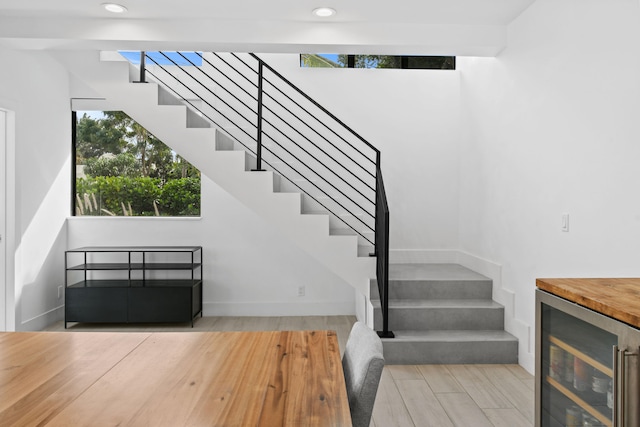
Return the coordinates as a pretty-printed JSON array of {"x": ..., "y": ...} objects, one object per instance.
[
  {"x": 382, "y": 251},
  {"x": 290, "y": 133}
]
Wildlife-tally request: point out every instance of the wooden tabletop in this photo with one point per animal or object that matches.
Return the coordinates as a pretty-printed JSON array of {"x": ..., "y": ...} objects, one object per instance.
[
  {"x": 280, "y": 378},
  {"x": 618, "y": 298}
]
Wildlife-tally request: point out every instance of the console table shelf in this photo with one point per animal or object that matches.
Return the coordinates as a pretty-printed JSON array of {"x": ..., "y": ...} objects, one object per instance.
[{"x": 133, "y": 284}]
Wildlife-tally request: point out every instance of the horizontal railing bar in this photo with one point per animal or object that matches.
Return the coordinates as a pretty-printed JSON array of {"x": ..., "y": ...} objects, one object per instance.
[
  {"x": 321, "y": 150},
  {"x": 204, "y": 114},
  {"x": 303, "y": 136},
  {"x": 327, "y": 208},
  {"x": 303, "y": 122},
  {"x": 249, "y": 94},
  {"x": 210, "y": 91},
  {"x": 322, "y": 190},
  {"x": 296, "y": 130},
  {"x": 251, "y": 137},
  {"x": 276, "y": 155},
  {"x": 235, "y": 69},
  {"x": 354, "y": 133},
  {"x": 245, "y": 63},
  {"x": 229, "y": 78},
  {"x": 278, "y": 130},
  {"x": 223, "y": 88},
  {"x": 320, "y": 122},
  {"x": 316, "y": 132},
  {"x": 317, "y": 173},
  {"x": 293, "y": 128},
  {"x": 306, "y": 124}
]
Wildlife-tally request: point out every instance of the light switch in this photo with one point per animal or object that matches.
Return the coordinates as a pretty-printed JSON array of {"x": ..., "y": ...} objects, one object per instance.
[{"x": 565, "y": 222}]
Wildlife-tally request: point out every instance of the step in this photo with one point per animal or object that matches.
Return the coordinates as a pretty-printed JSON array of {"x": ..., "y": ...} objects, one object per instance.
[
  {"x": 412, "y": 347},
  {"x": 365, "y": 238},
  {"x": 481, "y": 314},
  {"x": 436, "y": 281}
]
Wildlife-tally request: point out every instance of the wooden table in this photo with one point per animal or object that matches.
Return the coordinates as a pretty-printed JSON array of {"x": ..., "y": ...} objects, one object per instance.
[
  {"x": 288, "y": 378},
  {"x": 615, "y": 297}
]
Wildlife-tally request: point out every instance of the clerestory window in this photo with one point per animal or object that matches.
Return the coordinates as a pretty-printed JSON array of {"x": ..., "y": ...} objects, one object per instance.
[{"x": 324, "y": 60}]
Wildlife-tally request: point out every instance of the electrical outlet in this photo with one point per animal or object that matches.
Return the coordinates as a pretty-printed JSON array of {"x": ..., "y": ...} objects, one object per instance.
[
  {"x": 301, "y": 291},
  {"x": 59, "y": 292}
]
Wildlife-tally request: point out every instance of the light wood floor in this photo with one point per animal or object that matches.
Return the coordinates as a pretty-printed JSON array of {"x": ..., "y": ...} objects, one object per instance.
[{"x": 412, "y": 395}]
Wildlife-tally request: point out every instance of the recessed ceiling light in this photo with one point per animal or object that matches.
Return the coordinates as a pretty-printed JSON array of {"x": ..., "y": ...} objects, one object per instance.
[
  {"x": 115, "y": 8},
  {"x": 324, "y": 12}
]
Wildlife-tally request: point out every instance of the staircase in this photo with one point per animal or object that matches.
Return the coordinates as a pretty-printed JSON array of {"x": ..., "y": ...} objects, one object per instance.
[
  {"x": 219, "y": 158},
  {"x": 443, "y": 313}
]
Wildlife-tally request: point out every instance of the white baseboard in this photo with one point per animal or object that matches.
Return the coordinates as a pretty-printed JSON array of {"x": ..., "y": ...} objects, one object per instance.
[
  {"x": 422, "y": 256},
  {"x": 42, "y": 321},
  {"x": 267, "y": 309}
]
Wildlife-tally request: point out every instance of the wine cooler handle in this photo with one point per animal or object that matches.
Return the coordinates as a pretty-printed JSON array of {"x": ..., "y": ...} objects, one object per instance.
[
  {"x": 616, "y": 376},
  {"x": 623, "y": 386},
  {"x": 619, "y": 385}
]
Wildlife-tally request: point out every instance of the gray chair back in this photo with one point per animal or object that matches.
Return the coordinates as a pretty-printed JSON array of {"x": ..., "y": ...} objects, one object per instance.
[{"x": 362, "y": 363}]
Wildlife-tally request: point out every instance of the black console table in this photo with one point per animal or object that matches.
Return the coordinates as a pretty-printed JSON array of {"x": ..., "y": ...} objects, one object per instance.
[{"x": 133, "y": 284}]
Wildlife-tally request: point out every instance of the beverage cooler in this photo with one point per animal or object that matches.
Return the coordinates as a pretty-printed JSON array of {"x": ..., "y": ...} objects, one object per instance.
[{"x": 586, "y": 364}]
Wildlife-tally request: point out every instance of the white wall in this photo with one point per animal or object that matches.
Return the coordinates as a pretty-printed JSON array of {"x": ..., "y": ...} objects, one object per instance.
[
  {"x": 249, "y": 269},
  {"x": 551, "y": 128},
  {"x": 35, "y": 88}
]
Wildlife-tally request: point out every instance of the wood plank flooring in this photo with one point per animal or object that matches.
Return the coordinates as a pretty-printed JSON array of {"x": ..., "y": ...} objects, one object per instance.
[{"x": 408, "y": 396}]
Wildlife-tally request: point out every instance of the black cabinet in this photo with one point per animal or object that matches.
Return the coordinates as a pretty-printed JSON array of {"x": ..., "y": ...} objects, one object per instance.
[{"x": 133, "y": 284}]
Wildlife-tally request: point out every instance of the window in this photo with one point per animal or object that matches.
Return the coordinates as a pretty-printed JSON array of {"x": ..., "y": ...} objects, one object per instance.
[
  {"x": 378, "y": 61},
  {"x": 121, "y": 169},
  {"x": 165, "y": 58}
]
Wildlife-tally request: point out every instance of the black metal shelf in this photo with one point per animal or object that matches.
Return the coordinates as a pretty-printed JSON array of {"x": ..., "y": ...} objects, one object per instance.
[
  {"x": 115, "y": 291},
  {"x": 123, "y": 266},
  {"x": 159, "y": 283},
  {"x": 148, "y": 249}
]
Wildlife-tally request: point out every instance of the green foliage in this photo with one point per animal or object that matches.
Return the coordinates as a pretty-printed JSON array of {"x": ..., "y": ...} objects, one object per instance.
[
  {"x": 131, "y": 172},
  {"x": 372, "y": 61},
  {"x": 394, "y": 61},
  {"x": 138, "y": 196},
  {"x": 181, "y": 197},
  {"x": 123, "y": 164},
  {"x": 153, "y": 155},
  {"x": 95, "y": 138},
  {"x": 183, "y": 169},
  {"x": 319, "y": 61}
]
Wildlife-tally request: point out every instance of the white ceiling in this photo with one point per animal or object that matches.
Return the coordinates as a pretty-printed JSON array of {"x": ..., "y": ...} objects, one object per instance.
[{"x": 474, "y": 27}]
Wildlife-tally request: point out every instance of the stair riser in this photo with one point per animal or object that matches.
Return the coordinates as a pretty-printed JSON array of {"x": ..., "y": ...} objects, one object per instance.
[
  {"x": 467, "y": 318},
  {"x": 446, "y": 289},
  {"x": 419, "y": 353}
]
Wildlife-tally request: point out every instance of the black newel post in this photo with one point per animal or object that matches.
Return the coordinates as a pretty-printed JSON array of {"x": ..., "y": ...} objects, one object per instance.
[
  {"x": 143, "y": 57},
  {"x": 259, "y": 127}
]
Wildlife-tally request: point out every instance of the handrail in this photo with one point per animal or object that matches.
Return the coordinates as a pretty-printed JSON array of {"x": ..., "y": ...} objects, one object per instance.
[
  {"x": 316, "y": 104},
  {"x": 382, "y": 252},
  {"x": 305, "y": 143}
]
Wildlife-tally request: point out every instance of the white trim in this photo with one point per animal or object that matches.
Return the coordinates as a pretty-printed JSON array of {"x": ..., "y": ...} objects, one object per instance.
[
  {"x": 133, "y": 218},
  {"x": 3, "y": 213},
  {"x": 423, "y": 256},
  {"x": 507, "y": 298},
  {"x": 43, "y": 320},
  {"x": 9, "y": 321},
  {"x": 268, "y": 309}
]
